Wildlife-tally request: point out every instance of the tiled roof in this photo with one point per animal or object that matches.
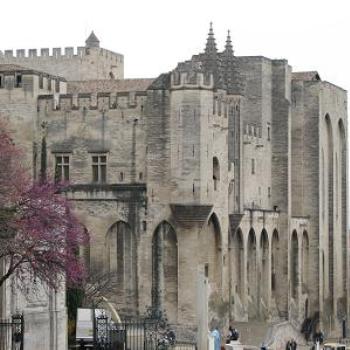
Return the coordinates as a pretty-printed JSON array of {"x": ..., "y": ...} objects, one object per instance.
[{"x": 17, "y": 68}]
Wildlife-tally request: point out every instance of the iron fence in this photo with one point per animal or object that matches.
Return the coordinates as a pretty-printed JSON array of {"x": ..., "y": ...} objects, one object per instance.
[
  {"x": 12, "y": 333},
  {"x": 143, "y": 334}
]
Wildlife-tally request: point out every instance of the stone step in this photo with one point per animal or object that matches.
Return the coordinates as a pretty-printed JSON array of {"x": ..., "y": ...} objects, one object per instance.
[{"x": 252, "y": 332}]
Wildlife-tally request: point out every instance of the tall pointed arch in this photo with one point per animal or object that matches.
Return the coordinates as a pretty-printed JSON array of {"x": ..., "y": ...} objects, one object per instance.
[
  {"x": 343, "y": 195},
  {"x": 265, "y": 265},
  {"x": 214, "y": 252},
  {"x": 305, "y": 261},
  {"x": 121, "y": 264},
  {"x": 330, "y": 188},
  {"x": 237, "y": 262},
  {"x": 294, "y": 265},
  {"x": 251, "y": 265},
  {"x": 275, "y": 247},
  {"x": 165, "y": 270}
]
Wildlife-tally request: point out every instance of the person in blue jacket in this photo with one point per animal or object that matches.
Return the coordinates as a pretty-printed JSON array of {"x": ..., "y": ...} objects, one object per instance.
[{"x": 217, "y": 338}]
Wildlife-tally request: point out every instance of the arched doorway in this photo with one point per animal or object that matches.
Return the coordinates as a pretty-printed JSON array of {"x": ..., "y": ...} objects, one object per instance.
[
  {"x": 165, "y": 271},
  {"x": 294, "y": 265}
]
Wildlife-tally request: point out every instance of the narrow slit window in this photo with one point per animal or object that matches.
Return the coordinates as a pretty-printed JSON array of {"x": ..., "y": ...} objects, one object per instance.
[
  {"x": 41, "y": 82},
  {"x": 18, "y": 81}
]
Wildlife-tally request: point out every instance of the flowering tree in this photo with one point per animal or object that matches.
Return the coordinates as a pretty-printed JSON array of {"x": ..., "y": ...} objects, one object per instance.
[{"x": 39, "y": 233}]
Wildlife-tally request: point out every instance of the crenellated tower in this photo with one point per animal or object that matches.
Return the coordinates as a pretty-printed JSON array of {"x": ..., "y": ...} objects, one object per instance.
[{"x": 89, "y": 62}]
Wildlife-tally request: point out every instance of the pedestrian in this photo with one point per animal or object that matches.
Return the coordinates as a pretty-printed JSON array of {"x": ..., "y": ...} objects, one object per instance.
[
  {"x": 217, "y": 338},
  {"x": 263, "y": 347}
]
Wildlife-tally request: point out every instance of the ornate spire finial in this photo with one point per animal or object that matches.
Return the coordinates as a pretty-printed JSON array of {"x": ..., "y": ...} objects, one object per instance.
[
  {"x": 211, "y": 28},
  {"x": 228, "y": 46},
  {"x": 211, "y": 45}
]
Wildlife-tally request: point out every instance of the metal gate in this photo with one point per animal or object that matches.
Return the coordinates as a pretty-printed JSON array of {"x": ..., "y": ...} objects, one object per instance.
[
  {"x": 139, "y": 334},
  {"x": 12, "y": 333},
  {"x": 135, "y": 335}
]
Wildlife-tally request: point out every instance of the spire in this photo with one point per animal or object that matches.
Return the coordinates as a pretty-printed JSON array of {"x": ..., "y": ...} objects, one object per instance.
[
  {"x": 210, "y": 48},
  {"x": 92, "y": 40},
  {"x": 231, "y": 74},
  {"x": 228, "y": 46}
]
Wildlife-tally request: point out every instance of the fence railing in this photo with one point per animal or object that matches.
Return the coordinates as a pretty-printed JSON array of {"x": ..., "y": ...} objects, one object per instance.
[
  {"x": 135, "y": 335},
  {"x": 12, "y": 333}
]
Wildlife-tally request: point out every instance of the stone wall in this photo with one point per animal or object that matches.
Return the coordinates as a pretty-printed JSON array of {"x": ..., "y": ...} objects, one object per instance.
[
  {"x": 246, "y": 190},
  {"x": 83, "y": 63}
]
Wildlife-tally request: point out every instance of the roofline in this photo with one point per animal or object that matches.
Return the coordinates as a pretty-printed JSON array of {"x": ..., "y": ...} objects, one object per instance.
[{"x": 31, "y": 71}]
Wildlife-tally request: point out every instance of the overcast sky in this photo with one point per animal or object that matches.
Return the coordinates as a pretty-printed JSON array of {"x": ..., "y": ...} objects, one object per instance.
[{"x": 154, "y": 35}]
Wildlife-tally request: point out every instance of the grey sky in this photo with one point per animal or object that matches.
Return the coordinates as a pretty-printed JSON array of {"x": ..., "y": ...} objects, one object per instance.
[{"x": 155, "y": 34}]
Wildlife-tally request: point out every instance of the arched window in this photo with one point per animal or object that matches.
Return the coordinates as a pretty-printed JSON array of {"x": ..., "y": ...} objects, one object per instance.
[
  {"x": 165, "y": 271},
  {"x": 216, "y": 173},
  {"x": 294, "y": 265}
]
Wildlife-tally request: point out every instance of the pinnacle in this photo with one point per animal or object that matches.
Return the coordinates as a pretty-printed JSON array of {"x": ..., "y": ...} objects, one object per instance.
[
  {"x": 211, "y": 44},
  {"x": 92, "y": 40},
  {"x": 228, "y": 46}
]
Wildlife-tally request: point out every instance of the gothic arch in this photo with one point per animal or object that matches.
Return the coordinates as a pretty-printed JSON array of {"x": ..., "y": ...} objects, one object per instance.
[
  {"x": 342, "y": 200},
  {"x": 251, "y": 265},
  {"x": 121, "y": 263},
  {"x": 165, "y": 270},
  {"x": 275, "y": 246},
  {"x": 294, "y": 264},
  {"x": 214, "y": 252},
  {"x": 237, "y": 262},
  {"x": 330, "y": 190},
  {"x": 305, "y": 261},
  {"x": 265, "y": 265}
]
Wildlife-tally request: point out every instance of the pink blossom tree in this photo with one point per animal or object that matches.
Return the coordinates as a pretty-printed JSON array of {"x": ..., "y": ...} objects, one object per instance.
[{"x": 39, "y": 234}]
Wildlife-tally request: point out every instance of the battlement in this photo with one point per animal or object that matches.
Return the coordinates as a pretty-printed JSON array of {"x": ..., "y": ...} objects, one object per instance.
[
  {"x": 57, "y": 52},
  {"x": 93, "y": 101},
  {"x": 191, "y": 80}
]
